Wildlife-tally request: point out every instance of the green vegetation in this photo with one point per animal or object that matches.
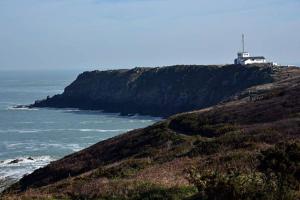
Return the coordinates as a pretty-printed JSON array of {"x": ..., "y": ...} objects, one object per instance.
[
  {"x": 193, "y": 124},
  {"x": 154, "y": 192},
  {"x": 136, "y": 191},
  {"x": 281, "y": 166},
  {"x": 124, "y": 170},
  {"x": 277, "y": 178}
]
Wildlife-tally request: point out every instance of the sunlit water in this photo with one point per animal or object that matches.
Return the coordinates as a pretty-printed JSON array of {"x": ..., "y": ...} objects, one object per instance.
[{"x": 31, "y": 138}]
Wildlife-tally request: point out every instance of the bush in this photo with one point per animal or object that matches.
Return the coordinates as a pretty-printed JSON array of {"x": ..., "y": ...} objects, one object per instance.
[
  {"x": 281, "y": 165},
  {"x": 278, "y": 178},
  {"x": 231, "y": 185}
]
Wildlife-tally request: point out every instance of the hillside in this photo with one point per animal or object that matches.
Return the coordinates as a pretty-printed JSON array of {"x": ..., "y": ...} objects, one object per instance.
[
  {"x": 157, "y": 91},
  {"x": 155, "y": 162}
]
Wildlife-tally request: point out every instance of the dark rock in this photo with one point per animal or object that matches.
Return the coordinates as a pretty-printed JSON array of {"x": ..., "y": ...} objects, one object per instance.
[
  {"x": 157, "y": 91},
  {"x": 20, "y": 106},
  {"x": 15, "y": 161}
]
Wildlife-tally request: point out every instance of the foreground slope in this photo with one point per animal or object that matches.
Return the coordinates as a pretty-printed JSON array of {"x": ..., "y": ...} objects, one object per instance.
[
  {"x": 153, "y": 162},
  {"x": 157, "y": 91}
]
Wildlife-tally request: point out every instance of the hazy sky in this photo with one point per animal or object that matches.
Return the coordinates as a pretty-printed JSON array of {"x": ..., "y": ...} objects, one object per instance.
[{"x": 87, "y": 34}]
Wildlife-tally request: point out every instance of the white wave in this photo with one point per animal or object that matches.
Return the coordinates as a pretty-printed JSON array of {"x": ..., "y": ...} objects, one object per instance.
[
  {"x": 104, "y": 130},
  {"x": 17, "y": 167},
  {"x": 69, "y": 109},
  {"x": 53, "y": 130},
  {"x": 23, "y": 122},
  {"x": 16, "y": 145},
  {"x": 21, "y": 108},
  {"x": 74, "y": 147},
  {"x": 28, "y": 131},
  {"x": 87, "y": 137},
  {"x": 96, "y": 122},
  {"x": 145, "y": 117},
  {"x": 42, "y": 146},
  {"x": 121, "y": 121},
  {"x": 61, "y": 146},
  {"x": 19, "y": 161},
  {"x": 141, "y": 121},
  {"x": 20, "y": 131}
]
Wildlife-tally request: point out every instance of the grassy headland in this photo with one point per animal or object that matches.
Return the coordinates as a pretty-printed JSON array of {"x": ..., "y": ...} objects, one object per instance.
[{"x": 247, "y": 147}]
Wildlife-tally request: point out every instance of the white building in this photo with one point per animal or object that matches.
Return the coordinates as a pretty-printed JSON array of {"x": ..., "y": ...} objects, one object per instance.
[{"x": 244, "y": 58}]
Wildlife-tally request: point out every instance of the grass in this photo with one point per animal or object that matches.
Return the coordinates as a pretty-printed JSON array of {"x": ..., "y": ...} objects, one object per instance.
[
  {"x": 127, "y": 190},
  {"x": 124, "y": 170}
]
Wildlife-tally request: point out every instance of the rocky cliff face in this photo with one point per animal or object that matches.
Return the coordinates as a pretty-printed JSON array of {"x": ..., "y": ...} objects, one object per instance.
[{"x": 157, "y": 91}]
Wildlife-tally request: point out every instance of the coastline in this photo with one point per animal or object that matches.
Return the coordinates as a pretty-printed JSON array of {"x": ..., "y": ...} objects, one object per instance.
[
  {"x": 157, "y": 91},
  {"x": 37, "y": 133}
]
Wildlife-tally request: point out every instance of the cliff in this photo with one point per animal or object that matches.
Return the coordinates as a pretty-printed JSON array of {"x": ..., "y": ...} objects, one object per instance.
[
  {"x": 155, "y": 162},
  {"x": 157, "y": 91}
]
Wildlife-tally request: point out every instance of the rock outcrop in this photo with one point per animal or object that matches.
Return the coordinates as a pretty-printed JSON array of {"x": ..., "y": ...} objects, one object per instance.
[{"x": 157, "y": 91}]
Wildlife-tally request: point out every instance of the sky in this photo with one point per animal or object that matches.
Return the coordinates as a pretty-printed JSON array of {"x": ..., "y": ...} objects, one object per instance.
[{"x": 109, "y": 34}]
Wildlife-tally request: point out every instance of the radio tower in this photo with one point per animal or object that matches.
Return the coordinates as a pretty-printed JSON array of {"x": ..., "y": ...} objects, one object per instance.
[{"x": 243, "y": 42}]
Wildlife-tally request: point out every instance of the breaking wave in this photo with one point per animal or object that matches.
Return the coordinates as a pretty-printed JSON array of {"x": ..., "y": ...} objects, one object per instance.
[{"x": 14, "y": 169}]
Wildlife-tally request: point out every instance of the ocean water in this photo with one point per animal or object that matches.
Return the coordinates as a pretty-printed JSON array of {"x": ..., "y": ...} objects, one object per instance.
[{"x": 32, "y": 138}]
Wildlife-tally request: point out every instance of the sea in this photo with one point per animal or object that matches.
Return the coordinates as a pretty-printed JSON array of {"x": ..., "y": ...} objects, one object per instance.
[{"x": 32, "y": 138}]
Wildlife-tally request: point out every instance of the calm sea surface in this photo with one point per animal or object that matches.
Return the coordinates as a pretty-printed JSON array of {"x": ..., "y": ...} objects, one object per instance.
[{"x": 31, "y": 138}]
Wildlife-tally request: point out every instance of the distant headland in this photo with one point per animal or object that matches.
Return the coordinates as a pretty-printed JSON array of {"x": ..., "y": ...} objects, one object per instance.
[{"x": 158, "y": 91}]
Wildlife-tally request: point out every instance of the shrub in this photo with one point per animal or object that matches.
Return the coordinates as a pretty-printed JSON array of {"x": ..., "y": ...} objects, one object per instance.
[
  {"x": 231, "y": 185},
  {"x": 281, "y": 165},
  {"x": 278, "y": 178}
]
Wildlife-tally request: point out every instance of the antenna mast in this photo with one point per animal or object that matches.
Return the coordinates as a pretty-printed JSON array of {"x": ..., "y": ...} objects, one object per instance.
[{"x": 243, "y": 42}]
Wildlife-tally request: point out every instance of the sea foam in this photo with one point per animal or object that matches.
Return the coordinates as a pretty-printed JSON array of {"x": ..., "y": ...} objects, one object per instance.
[
  {"x": 17, "y": 167},
  {"x": 14, "y": 108}
]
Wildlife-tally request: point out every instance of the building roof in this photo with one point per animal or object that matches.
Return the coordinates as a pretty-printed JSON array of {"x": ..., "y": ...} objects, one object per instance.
[{"x": 254, "y": 58}]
